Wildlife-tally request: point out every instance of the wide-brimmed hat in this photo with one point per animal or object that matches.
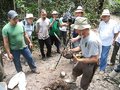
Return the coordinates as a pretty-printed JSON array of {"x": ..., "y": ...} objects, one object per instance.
[
  {"x": 54, "y": 12},
  {"x": 79, "y": 9},
  {"x": 29, "y": 15},
  {"x": 105, "y": 12},
  {"x": 12, "y": 14},
  {"x": 81, "y": 23}
]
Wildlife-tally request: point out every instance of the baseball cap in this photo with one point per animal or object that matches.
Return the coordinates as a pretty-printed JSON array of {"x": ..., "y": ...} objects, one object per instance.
[
  {"x": 12, "y": 14},
  {"x": 81, "y": 23}
]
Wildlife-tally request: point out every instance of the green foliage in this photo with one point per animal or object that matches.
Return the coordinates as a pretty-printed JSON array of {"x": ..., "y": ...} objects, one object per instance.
[{"x": 115, "y": 7}]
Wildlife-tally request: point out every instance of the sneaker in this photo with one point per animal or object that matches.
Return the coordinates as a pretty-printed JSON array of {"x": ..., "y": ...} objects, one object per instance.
[
  {"x": 58, "y": 51},
  {"x": 43, "y": 58},
  {"x": 111, "y": 64},
  {"x": 113, "y": 74},
  {"x": 101, "y": 72},
  {"x": 26, "y": 64},
  {"x": 72, "y": 79},
  {"x": 35, "y": 71},
  {"x": 48, "y": 56}
]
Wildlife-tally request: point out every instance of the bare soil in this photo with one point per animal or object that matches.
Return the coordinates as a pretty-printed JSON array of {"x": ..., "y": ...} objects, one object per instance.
[{"x": 50, "y": 77}]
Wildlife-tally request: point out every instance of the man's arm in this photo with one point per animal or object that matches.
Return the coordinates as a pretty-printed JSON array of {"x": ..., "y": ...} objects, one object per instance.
[
  {"x": 28, "y": 39},
  {"x": 7, "y": 48},
  {"x": 76, "y": 49},
  {"x": 115, "y": 35},
  {"x": 52, "y": 22},
  {"x": 37, "y": 27},
  {"x": 92, "y": 59},
  {"x": 75, "y": 39}
]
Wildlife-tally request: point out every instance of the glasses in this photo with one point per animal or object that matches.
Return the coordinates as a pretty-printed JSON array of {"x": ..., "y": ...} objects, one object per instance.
[
  {"x": 55, "y": 14},
  {"x": 105, "y": 16}
]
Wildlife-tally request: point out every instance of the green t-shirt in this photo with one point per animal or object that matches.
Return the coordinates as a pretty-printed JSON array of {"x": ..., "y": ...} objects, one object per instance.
[
  {"x": 15, "y": 36},
  {"x": 55, "y": 27}
]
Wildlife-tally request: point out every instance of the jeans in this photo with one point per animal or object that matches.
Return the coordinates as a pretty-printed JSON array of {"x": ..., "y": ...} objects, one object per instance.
[
  {"x": 27, "y": 55},
  {"x": 115, "y": 51},
  {"x": 103, "y": 59}
]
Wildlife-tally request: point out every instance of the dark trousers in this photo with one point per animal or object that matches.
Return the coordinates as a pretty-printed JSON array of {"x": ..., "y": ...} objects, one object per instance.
[
  {"x": 87, "y": 70},
  {"x": 63, "y": 36},
  {"x": 47, "y": 42},
  {"x": 1, "y": 69},
  {"x": 118, "y": 68},
  {"x": 115, "y": 51},
  {"x": 56, "y": 42}
]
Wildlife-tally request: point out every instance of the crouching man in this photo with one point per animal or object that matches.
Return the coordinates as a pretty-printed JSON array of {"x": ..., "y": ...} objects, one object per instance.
[{"x": 90, "y": 47}]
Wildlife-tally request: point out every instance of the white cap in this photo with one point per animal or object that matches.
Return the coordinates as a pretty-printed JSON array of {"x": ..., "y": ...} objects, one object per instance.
[
  {"x": 106, "y": 12},
  {"x": 54, "y": 12},
  {"x": 30, "y": 15}
]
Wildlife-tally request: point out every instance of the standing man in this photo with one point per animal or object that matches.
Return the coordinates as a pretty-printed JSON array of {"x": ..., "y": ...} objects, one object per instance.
[
  {"x": 13, "y": 36},
  {"x": 55, "y": 23},
  {"x": 107, "y": 33},
  {"x": 43, "y": 34},
  {"x": 76, "y": 38},
  {"x": 63, "y": 30},
  {"x": 28, "y": 26},
  {"x": 90, "y": 47}
]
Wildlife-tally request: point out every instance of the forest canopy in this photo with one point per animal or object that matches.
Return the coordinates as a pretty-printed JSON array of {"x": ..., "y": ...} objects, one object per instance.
[{"x": 93, "y": 8}]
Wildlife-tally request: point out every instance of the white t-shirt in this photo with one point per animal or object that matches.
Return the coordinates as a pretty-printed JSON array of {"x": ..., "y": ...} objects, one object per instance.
[
  {"x": 107, "y": 31},
  {"x": 63, "y": 28},
  {"x": 43, "y": 30}
]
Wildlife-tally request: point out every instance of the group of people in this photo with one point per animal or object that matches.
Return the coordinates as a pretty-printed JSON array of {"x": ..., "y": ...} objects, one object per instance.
[{"x": 93, "y": 46}]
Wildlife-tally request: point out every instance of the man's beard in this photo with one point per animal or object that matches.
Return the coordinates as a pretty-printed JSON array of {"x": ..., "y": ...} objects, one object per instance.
[{"x": 44, "y": 18}]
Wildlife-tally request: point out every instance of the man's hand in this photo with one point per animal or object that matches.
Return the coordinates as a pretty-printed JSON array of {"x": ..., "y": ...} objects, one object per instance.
[
  {"x": 10, "y": 56},
  {"x": 73, "y": 40},
  {"x": 30, "y": 45},
  {"x": 77, "y": 59}
]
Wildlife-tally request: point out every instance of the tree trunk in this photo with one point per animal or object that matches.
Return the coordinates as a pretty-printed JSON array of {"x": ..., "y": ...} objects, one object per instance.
[
  {"x": 39, "y": 7},
  {"x": 100, "y": 6}
]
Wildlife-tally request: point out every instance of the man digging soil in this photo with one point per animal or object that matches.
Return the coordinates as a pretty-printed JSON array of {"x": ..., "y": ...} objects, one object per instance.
[{"x": 90, "y": 47}]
